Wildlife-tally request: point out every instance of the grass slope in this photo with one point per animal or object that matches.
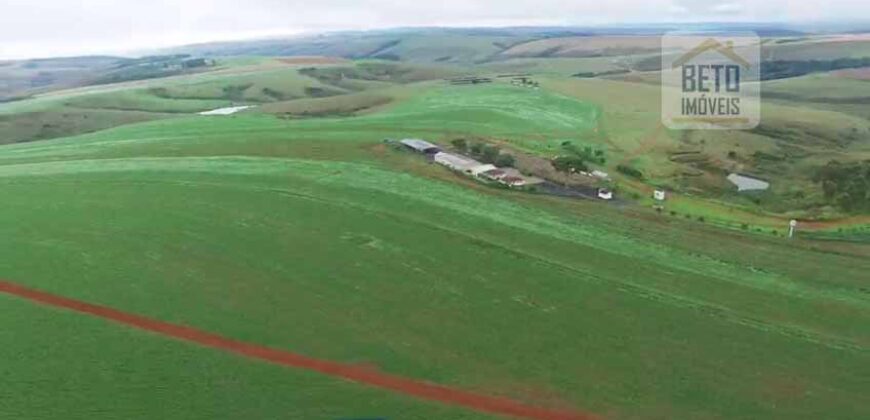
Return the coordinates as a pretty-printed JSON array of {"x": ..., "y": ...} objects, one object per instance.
[
  {"x": 76, "y": 367},
  {"x": 305, "y": 235}
]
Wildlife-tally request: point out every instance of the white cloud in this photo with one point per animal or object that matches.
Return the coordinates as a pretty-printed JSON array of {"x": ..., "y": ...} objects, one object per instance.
[
  {"x": 63, "y": 27},
  {"x": 728, "y": 8}
]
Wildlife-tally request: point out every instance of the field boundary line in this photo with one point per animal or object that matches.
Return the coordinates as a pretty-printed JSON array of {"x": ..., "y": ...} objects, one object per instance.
[{"x": 362, "y": 375}]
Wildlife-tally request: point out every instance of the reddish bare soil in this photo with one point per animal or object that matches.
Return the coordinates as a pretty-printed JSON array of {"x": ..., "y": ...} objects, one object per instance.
[
  {"x": 860, "y": 74},
  {"x": 356, "y": 373}
]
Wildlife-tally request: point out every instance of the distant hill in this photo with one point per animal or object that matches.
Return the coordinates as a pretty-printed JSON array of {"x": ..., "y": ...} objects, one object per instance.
[
  {"x": 20, "y": 79},
  {"x": 453, "y": 45}
]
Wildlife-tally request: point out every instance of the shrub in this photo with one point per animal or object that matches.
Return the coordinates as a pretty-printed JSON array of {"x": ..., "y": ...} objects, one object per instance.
[
  {"x": 505, "y": 161},
  {"x": 489, "y": 154},
  {"x": 846, "y": 184},
  {"x": 629, "y": 171},
  {"x": 569, "y": 164}
]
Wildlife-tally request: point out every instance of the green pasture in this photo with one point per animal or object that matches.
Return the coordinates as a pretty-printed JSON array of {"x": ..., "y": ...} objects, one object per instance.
[
  {"x": 70, "y": 366},
  {"x": 314, "y": 236},
  {"x": 145, "y": 100}
]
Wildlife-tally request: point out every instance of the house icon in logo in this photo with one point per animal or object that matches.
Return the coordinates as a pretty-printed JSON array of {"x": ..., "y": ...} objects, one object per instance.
[{"x": 726, "y": 49}]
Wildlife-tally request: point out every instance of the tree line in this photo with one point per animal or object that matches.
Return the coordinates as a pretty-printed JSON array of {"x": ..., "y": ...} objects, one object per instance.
[
  {"x": 846, "y": 184},
  {"x": 782, "y": 69}
]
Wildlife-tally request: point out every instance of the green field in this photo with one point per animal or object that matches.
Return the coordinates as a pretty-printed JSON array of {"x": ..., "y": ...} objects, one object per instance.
[
  {"x": 310, "y": 236},
  {"x": 295, "y": 225}
]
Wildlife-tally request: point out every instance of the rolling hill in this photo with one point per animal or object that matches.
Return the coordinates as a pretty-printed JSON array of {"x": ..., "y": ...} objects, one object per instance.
[{"x": 300, "y": 226}]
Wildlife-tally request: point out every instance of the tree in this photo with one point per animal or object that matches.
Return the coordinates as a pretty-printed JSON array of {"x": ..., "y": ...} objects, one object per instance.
[
  {"x": 569, "y": 164},
  {"x": 846, "y": 184},
  {"x": 460, "y": 144},
  {"x": 476, "y": 148},
  {"x": 489, "y": 154},
  {"x": 505, "y": 161},
  {"x": 628, "y": 170}
]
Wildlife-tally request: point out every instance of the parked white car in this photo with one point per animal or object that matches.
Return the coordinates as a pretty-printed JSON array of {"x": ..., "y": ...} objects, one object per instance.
[{"x": 605, "y": 194}]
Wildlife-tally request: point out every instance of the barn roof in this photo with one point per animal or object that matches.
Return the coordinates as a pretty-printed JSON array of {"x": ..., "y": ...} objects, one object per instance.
[{"x": 419, "y": 145}]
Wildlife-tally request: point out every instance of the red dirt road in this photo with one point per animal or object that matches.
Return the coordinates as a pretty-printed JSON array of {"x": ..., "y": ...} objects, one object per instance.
[{"x": 407, "y": 386}]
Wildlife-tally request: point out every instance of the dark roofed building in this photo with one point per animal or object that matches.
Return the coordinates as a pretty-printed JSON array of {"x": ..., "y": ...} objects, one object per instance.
[
  {"x": 494, "y": 174},
  {"x": 421, "y": 146},
  {"x": 514, "y": 181}
]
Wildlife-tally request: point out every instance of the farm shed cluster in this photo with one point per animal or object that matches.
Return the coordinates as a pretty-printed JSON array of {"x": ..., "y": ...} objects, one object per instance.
[{"x": 463, "y": 164}]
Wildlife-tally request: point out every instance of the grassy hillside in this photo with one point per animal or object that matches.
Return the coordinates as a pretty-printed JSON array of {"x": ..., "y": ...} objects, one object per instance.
[
  {"x": 424, "y": 45},
  {"x": 828, "y": 91},
  {"x": 796, "y": 136},
  {"x": 799, "y": 134},
  {"x": 109, "y": 371},
  {"x": 248, "y": 225},
  {"x": 296, "y": 87},
  {"x": 296, "y": 226},
  {"x": 19, "y": 79}
]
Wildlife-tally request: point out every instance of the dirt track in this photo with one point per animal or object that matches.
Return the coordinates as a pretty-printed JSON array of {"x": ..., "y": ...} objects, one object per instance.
[{"x": 355, "y": 373}]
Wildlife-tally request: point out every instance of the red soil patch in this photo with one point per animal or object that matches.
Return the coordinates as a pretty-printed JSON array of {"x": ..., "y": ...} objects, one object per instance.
[
  {"x": 862, "y": 73},
  {"x": 833, "y": 224},
  {"x": 311, "y": 60},
  {"x": 356, "y": 373}
]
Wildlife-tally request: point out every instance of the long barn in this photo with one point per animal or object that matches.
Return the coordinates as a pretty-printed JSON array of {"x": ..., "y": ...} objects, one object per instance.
[{"x": 421, "y": 146}]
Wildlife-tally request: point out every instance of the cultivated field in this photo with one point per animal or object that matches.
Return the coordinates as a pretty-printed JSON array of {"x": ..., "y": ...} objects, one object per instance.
[
  {"x": 295, "y": 226},
  {"x": 247, "y": 225}
]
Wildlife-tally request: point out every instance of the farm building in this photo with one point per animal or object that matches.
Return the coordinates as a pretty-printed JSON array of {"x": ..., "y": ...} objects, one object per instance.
[
  {"x": 747, "y": 183},
  {"x": 468, "y": 166},
  {"x": 600, "y": 174},
  {"x": 457, "y": 163},
  {"x": 494, "y": 174},
  {"x": 420, "y": 146},
  {"x": 514, "y": 181},
  {"x": 479, "y": 170}
]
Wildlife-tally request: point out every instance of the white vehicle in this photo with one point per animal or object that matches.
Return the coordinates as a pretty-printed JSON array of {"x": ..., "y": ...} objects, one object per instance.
[{"x": 605, "y": 194}]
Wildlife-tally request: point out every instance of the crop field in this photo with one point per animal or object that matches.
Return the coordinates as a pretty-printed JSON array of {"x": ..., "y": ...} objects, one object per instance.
[
  {"x": 557, "y": 66},
  {"x": 266, "y": 86},
  {"x": 297, "y": 226},
  {"x": 517, "y": 114},
  {"x": 145, "y": 100},
  {"x": 618, "y": 117},
  {"x": 90, "y": 369},
  {"x": 838, "y": 91},
  {"x": 819, "y": 50},
  {"x": 245, "y": 225}
]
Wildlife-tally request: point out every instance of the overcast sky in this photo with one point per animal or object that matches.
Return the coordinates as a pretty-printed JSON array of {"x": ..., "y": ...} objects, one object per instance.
[{"x": 43, "y": 28}]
